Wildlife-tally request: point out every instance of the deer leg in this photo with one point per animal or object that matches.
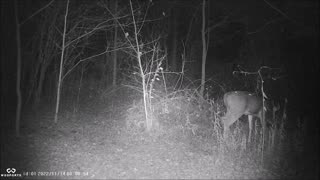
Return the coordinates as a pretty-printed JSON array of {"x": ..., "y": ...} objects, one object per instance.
[
  {"x": 228, "y": 120},
  {"x": 250, "y": 127}
]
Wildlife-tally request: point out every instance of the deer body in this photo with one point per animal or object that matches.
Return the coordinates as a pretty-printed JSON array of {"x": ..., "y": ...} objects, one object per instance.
[{"x": 240, "y": 103}]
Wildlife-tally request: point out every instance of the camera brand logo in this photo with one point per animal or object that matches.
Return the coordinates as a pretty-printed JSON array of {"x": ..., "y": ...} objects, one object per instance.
[{"x": 11, "y": 172}]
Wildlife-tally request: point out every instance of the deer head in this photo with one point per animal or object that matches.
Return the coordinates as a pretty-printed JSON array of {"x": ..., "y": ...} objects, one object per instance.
[{"x": 240, "y": 103}]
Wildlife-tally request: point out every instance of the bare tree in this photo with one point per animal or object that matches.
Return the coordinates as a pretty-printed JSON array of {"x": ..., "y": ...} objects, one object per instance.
[
  {"x": 47, "y": 52},
  {"x": 147, "y": 58},
  {"x": 78, "y": 27},
  {"x": 204, "y": 48},
  {"x": 18, "y": 81},
  {"x": 63, "y": 48},
  {"x": 115, "y": 39},
  {"x": 174, "y": 44}
]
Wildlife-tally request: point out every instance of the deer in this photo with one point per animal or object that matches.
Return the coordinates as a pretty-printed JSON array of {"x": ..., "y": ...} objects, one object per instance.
[{"x": 240, "y": 103}]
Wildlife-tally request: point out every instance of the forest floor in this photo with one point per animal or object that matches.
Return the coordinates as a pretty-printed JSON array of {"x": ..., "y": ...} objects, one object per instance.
[{"x": 96, "y": 145}]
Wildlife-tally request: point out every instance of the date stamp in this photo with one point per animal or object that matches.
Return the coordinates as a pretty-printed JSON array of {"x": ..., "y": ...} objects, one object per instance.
[
  {"x": 13, "y": 172},
  {"x": 53, "y": 173}
]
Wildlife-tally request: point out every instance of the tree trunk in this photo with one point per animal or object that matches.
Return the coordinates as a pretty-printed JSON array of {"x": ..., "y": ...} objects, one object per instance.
[
  {"x": 115, "y": 39},
  {"x": 61, "y": 64},
  {"x": 174, "y": 39},
  {"x": 18, "y": 83},
  {"x": 204, "y": 48},
  {"x": 39, "y": 89}
]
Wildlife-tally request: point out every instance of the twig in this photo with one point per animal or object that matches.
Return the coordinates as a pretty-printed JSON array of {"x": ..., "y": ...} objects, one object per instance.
[
  {"x": 279, "y": 11},
  {"x": 36, "y": 13}
]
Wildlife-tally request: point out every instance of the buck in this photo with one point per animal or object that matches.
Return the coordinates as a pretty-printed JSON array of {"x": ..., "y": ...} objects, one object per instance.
[{"x": 240, "y": 103}]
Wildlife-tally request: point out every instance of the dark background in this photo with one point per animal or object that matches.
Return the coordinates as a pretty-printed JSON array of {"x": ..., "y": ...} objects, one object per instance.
[
  {"x": 253, "y": 34},
  {"x": 283, "y": 35}
]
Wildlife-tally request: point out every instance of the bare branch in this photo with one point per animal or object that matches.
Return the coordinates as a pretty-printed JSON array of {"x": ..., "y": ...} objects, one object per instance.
[
  {"x": 36, "y": 12},
  {"x": 279, "y": 11},
  {"x": 120, "y": 25},
  {"x": 264, "y": 26},
  {"x": 224, "y": 20},
  {"x": 144, "y": 18},
  {"x": 87, "y": 33}
]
